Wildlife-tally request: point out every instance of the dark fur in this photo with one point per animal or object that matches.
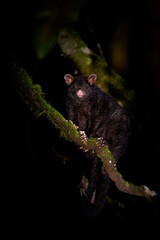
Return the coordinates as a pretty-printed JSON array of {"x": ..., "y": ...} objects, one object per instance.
[{"x": 99, "y": 115}]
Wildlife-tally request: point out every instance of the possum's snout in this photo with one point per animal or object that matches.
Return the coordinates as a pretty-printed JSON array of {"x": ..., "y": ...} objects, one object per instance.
[{"x": 80, "y": 93}]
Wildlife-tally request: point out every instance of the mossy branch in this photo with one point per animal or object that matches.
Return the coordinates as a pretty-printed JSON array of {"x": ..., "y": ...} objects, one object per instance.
[{"x": 33, "y": 97}]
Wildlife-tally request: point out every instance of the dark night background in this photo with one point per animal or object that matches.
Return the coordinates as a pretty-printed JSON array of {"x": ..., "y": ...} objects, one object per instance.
[{"x": 40, "y": 191}]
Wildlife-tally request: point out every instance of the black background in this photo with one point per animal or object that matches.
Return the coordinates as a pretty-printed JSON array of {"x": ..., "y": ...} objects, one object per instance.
[{"x": 41, "y": 192}]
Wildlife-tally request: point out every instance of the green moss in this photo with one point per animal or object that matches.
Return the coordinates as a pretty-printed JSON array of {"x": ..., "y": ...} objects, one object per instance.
[
  {"x": 67, "y": 129},
  {"x": 92, "y": 140},
  {"x": 34, "y": 98}
]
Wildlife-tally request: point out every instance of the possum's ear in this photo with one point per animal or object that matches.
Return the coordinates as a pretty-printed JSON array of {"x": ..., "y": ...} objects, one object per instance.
[
  {"x": 69, "y": 79},
  {"x": 92, "y": 79}
]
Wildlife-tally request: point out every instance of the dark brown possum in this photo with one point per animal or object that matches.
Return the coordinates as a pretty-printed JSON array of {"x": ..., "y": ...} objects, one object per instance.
[{"x": 99, "y": 116}]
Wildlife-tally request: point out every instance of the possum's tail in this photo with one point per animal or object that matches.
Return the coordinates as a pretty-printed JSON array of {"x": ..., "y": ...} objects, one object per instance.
[{"x": 94, "y": 190}]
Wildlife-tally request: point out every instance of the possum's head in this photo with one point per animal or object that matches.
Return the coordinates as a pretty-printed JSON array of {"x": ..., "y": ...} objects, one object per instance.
[{"x": 80, "y": 86}]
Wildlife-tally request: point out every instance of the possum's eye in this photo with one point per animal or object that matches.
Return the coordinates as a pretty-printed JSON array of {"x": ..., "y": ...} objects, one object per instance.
[
  {"x": 86, "y": 87},
  {"x": 74, "y": 87}
]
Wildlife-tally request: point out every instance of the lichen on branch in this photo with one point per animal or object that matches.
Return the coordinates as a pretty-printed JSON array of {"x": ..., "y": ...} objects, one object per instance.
[{"x": 34, "y": 98}]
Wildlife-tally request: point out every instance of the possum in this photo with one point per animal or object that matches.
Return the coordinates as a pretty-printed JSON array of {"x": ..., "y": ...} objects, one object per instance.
[{"x": 97, "y": 115}]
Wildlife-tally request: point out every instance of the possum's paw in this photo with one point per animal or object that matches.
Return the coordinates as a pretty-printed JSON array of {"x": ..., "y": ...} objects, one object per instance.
[
  {"x": 101, "y": 142},
  {"x": 83, "y": 186},
  {"x": 73, "y": 124},
  {"x": 83, "y": 135}
]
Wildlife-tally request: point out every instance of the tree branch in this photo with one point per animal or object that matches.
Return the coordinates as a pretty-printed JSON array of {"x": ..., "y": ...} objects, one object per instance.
[{"x": 33, "y": 97}]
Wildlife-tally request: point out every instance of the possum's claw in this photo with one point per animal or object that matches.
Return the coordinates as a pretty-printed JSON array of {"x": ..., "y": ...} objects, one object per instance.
[
  {"x": 83, "y": 135},
  {"x": 73, "y": 124},
  {"x": 101, "y": 142}
]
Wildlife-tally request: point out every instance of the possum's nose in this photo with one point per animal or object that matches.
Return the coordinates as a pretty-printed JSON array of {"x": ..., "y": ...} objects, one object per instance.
[{"x": 80, "y": 93}]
